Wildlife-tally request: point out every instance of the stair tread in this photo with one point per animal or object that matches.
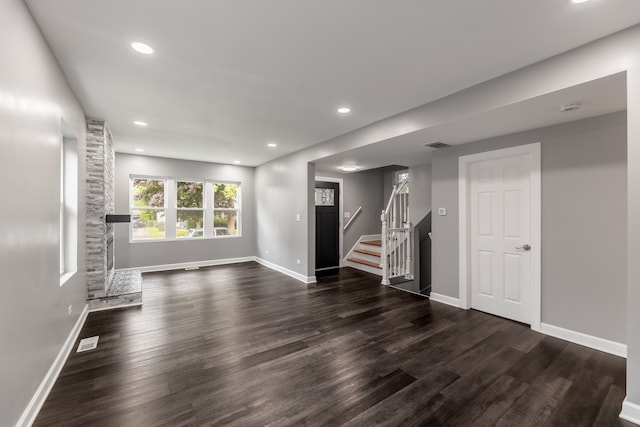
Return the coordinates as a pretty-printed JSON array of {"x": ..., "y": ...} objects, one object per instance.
[
  {"x": 367, "y": 252},
  {"x": 372, "y": 242},
  {"x": 365, "y": 262}
]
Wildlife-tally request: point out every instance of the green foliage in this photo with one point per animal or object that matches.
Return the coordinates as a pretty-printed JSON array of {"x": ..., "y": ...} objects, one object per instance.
[
  {"x": 148, "y": 192},
  {"x": 225, "y": 195},
  {"x": 220, "y": 222},
  {"x": 192, "y": 219},
  {"x": 149, "y": 217},
  {"x": 154, "y": 233},
  {"x": 190, "y": 194}
]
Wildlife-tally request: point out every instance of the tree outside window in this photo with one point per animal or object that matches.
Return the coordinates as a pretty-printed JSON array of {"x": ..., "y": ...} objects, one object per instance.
[
  {"x": 190, "y": 212},
  {"x": 148, "y": 216},
  {"x": 225, "y": 209}
]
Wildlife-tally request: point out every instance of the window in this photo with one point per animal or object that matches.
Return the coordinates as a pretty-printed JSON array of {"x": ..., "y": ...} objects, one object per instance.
[
  {"x": 62, "y": 210},
  {"x": 225, "y": 209},
  {"x": 68, "y": 209},
  {"x": 148, "y": 216},
  {"x": 190, "y": 209},
  {"x": 400, "y": 177},
  {"x": 181, "y": 209}
]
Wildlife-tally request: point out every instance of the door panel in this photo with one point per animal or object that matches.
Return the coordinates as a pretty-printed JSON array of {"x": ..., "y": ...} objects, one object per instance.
[
  {"x": 327, "y": 224},
  {"x": 499, "y": 223}
]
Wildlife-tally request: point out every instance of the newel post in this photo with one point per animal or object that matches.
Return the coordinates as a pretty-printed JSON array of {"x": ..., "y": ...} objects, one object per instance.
[{"x": 383, "y": 255}]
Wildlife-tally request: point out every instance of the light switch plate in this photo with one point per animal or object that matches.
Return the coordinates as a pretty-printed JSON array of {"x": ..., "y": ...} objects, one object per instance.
[
  {"x": 442, "y": 211},
  {"x": 298, "y": 217}
]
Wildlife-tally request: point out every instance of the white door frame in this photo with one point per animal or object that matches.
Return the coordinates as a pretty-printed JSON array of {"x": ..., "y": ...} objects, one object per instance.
[
  {"x": 340, "y": 182},
  {"x": 464, "y": 162}
]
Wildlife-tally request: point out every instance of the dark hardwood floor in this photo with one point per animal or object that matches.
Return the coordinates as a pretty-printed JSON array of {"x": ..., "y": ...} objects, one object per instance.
[{"x": 245, "y": 345}]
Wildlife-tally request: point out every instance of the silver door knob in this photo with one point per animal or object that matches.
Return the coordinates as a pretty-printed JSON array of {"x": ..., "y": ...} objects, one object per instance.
[{"x": 525, "y": 247}]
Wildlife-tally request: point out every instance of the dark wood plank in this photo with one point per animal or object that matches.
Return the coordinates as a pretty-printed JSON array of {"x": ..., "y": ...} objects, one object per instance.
[{"x": 244, "y": 345}]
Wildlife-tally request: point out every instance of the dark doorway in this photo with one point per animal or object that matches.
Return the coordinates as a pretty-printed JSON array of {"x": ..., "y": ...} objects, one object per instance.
[{"x": 327, "y": 225}]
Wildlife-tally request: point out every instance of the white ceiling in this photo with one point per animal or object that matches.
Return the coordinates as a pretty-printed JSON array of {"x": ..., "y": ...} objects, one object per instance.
[{"x": 230, "y": 76}]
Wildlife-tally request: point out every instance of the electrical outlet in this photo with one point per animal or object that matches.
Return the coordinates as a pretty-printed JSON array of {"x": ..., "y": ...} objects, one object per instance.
[
  {"x": 70, "y": 309},
  {"x": 298, "y": 217},
  {"x": 297, "y": 261}
]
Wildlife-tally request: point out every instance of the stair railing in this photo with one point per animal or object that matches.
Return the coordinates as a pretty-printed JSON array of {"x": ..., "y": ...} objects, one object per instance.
[{"x": 396, "y": 254}]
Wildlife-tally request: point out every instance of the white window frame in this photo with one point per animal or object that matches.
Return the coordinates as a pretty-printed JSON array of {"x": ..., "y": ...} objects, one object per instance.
[
  {"x": 237, "y": 209},
  {"x": 396, "y": 175},
  {"x": 203, "y": 209},
  {"x": 165, "y": 209},
  {"x": 171, "y": 208},
  {"x": 63, "y": 226},
  {"x": 68, "y": 209}
]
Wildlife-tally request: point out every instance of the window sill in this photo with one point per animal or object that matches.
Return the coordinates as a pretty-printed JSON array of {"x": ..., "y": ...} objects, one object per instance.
[
  {"x": 65, "y": 277},
  {"x": 190, "y": 239}
]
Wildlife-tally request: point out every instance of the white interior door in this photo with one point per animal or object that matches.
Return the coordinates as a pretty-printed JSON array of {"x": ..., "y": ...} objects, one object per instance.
[{"x": 500, "y": 236}]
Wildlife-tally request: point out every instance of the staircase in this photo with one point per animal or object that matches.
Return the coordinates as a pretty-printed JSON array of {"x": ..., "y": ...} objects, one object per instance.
[
  {"x": 365, "y": 255},
  {"x": 391, "y": 253}
]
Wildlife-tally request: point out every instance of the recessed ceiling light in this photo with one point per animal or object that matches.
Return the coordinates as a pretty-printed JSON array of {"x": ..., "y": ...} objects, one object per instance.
[
  {"x": 143, "y": 48},
  {"x": 348, "y": 168},
  {"x": 139, "y": 150},
  {"x": 236, "y": 162},
  {"x": 272, "y": 145},
  {"x": 579, "y": 1},
  {"x": 139, "y": 123},
  {"x": 344, "y": 110}
]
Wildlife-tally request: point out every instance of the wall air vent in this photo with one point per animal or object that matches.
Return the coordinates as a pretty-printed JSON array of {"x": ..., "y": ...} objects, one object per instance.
[{"x": 437, "y": 145}]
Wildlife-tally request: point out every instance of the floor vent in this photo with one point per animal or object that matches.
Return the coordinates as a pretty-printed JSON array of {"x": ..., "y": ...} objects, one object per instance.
[{"x": 88, "y": 344}]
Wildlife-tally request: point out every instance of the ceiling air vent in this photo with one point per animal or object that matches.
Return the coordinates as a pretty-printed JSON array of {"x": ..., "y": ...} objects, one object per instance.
[{"x": 437, "y": 145}]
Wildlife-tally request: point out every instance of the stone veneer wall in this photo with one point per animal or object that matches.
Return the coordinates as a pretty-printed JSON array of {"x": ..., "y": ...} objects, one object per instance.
[{"x": 100, "y": 201}]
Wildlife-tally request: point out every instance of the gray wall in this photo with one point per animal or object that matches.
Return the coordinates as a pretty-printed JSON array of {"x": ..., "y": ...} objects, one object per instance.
[
  {"x": 633, "y": 238},
  {"x": 34, "y": 323},
  {"x": 360, "y": 189},
  {"x": 143, "y": 254},
  {"x": 284, "y": 188},
  {"x": 583, "y": 222},
  {"x": 420, "y": 192}
]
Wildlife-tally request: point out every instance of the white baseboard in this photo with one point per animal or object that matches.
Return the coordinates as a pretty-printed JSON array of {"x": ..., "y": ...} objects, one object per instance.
[
  {"x": 115, "y": 307},
  {"x": 209, "y": 263},
  {"x": 444, "y": 299},
  {"x": 601, "y": 344},
  {"x": 291, "y": 273},
  {"x": 35, "y": 404},
  {"x": 192, "y": 264},
  {"x": 630, "y": 412}
]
